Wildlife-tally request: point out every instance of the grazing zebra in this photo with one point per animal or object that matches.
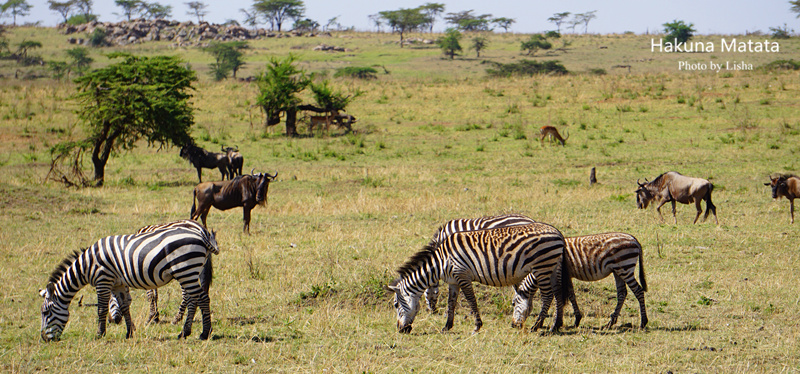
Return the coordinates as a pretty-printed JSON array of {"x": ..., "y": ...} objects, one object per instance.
[
  {"x": 145, "y": 261},
  {"x": 592, "y": 258},
  {"x": 114, "y": 308},
  {"x": 457, "y": 225},
  {"x": 495, "y": 257}
]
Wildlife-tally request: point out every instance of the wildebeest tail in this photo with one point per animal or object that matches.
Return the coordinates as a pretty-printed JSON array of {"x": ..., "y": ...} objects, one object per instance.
[
  {"x": 207, "y": 276},
  {"x": 710, "y": 207},
  {"x": 194, "y": 208},
  {"x": 642, "y": 279}
]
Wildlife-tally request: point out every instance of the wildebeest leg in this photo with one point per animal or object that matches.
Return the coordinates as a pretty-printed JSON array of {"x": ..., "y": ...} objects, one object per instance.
[
  {"x": 658, "y": 209},
  {"x": 224, "y": 172},
  {"x": 791, "y": 209},
  {"x": 673, "y": 212},
  {"x": 200, "y": 175},
  {"x": 699, "y": 210},
  {"x": 452, "y": 300},
  {"x": 246, "y": 219}
]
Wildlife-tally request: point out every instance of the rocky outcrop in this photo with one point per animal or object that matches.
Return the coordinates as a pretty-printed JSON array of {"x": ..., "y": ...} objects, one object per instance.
[{"x": 179, "y": 33}]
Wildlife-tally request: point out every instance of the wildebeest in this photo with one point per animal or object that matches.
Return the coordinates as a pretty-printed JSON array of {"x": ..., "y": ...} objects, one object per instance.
[
  {"x": 244, "y": 191},
  {"x": 787, "y": 186},
  {"x": 674, "y": 187},
  {"x": 235, "y": 161},
  {"x": 200, "y": 158}
]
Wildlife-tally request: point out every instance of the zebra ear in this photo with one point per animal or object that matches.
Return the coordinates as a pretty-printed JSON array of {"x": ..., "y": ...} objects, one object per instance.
[
  {"x": 391, "y": 288},
  {"x": 43, "y": 293}
]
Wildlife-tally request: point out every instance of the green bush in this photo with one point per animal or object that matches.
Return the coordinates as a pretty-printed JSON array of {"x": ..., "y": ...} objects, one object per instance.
[
  {"x": 360, "y": 72},
  {"x": 526, "y": 67}
]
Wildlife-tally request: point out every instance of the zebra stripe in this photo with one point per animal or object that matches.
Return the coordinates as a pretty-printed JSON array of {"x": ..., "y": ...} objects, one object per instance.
[
  {"x": 458, "y": 225},
  {"x": 496, "y": 257},
  {"x": 114, "y": 308},
  {"x": 146, "y": 260},
  {"x": 592, "y": 258}
]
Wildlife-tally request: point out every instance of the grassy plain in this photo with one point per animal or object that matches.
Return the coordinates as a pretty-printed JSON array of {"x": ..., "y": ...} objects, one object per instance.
[{"x": 436, "y": 140}]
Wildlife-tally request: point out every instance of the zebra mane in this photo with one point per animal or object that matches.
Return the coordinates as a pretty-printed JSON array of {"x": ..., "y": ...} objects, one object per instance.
[
  {"x": 64, "y": 265},
  {"x": 416, "y": 259}
]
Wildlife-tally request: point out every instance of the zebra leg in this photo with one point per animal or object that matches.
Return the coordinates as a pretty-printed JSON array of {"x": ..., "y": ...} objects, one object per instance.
[
  {"x": 190, "y": 311},
  {"x": 181, "y": 309},
  {"x": 622, "y": 293},
  {"x": 575, "y": 309},
  {"x": 204, "y": 302},
  {"x": 638, "y": 291},
  {"x": 103, "y": 294},
  {"x": 469, "y": 294},
  {"x": 152, "y": 296},
  {"x": 452, "y": 301}
]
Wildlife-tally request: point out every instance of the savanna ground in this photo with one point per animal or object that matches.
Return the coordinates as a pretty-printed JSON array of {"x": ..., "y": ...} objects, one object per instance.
[{"x": 436, "y": 140}]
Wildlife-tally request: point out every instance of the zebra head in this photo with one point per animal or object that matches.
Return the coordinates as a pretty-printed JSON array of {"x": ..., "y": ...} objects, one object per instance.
[
  {"x": 54, "y": 315},
  {"x": 522, "y": 308},
  {"x": 406, "y": 305}
]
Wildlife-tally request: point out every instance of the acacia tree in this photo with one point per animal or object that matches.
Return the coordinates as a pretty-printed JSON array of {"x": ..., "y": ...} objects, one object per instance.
[
  {"x": 156, "y": 11},
  {"x": 450, "y": 43},
  {"x": 466, "y": 21},
  {"x": 404, "y": 20},
  {"x": 129, "y": 7},
  {"x": 228, "y": 58},
  {"x": 138, "y": 98},
  {"x": 535, "y": 43},
  {"x": 279, "y": 87},
  {"x": 479, "y": 43},
  {"x": 278, "y": 11},
  {"x": 504, "y": 22},
  {"x": 795, "y": 7},
  {"x": 678, "y": 30},
  {"x": 558, "y": 19},
  {"x": 197, "y": 9},
  {"x": 61, "y": 7},
  {"x": 432, "y": 11},
  {"x": 16, "y": 8}
]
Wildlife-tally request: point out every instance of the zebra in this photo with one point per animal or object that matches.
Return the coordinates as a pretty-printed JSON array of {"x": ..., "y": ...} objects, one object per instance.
[
  {"x": 114, "y": 308},
  {"x": 495, "y": 257},
  {"x": 456, "y": 225},
  {"x": 592, "y": 258},
  {"x": 145, "y": 261}
]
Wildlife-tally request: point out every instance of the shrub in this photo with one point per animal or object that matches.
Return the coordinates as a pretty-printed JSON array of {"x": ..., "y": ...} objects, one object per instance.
[
  {"x": 360, "y": 72},
  {"x": 782, "y": 65},
  {"x": 526, "y": 67}
]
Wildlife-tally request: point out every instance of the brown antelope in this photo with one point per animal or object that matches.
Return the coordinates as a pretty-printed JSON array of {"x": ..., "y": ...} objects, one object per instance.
[
  {"x": 787, "y": 186},
  {"x": 673, "y": 187},
  {"x": 552, "y": 133},
  {"x": 323, "y": 122}
]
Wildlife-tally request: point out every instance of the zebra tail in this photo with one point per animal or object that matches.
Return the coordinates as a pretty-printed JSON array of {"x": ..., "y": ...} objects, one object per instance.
[
  {"x": 642, "y": 279},
  {"x": 207, "y": 277},
  {"x": 566, "y": 278}
]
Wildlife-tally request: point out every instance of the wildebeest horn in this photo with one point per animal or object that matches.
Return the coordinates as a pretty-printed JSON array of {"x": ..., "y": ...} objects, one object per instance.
[
  {"x": 272, "y": 176},
  {"x": 251, "y": 171},
  {"x": 640, "y": 184}
]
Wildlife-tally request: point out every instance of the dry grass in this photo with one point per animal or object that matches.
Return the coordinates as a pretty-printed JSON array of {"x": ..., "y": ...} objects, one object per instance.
[{"x": 302, "y": 293}]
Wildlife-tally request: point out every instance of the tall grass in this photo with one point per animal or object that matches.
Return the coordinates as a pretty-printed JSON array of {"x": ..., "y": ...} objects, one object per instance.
[{"x": 435, "y": 141}]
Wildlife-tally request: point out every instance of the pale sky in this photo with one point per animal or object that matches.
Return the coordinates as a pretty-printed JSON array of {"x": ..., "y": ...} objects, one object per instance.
[{"x": 614, "y": 16}]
